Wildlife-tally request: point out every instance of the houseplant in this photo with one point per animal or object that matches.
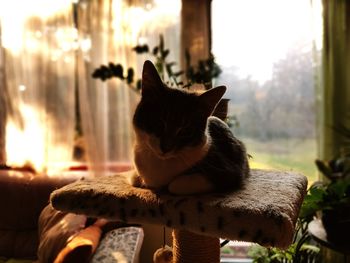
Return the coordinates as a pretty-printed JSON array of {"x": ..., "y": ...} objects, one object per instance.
[
  {"x": 201, "y": 73},
  {"x": 301, "y": 250},
  {"x": 330, "y": 200}
]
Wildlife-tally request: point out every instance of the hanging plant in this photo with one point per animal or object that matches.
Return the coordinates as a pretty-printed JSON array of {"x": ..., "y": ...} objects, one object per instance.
[{"x": 202, "y": 73}]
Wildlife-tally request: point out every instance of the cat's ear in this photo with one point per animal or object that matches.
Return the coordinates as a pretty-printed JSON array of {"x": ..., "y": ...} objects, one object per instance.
[
  {"x": 151, "y": 80},
  {"x": 211, "y": 98}
]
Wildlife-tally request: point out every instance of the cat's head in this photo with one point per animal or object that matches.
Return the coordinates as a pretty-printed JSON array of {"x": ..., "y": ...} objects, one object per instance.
[{"x": 170, "y": 120}]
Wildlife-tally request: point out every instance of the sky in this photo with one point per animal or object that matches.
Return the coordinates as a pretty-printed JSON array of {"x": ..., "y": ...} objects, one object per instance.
[{"x": 253, "y": 34}]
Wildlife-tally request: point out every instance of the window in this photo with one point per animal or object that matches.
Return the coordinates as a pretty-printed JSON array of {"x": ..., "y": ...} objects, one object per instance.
[{"x": 268, "y": 52}]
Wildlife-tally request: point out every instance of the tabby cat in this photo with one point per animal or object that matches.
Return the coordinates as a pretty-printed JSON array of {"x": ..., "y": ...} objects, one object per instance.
[{"x": 179, "y": 145}]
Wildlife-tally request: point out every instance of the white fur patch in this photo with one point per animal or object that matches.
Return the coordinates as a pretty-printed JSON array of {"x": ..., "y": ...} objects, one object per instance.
[{"x": 157, "y": 170}]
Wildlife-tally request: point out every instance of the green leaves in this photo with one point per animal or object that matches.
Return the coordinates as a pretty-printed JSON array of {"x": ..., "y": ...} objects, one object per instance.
[
  {"x": 202, "y": 73},
  {"x": 323, "y": 196},
  {"x": 336, "y": 168},
  {"x": 338, "y": 191},
  {"x": 261, "y": 254},
  {"x": 155, "y": 51},
  {"x": 117, "y": 70},
  {"x": 130, "y": 76},
  {"x": 324, "y": 168},
  {"x": 140, "y": 49},
  {"x": 113, "y": 70},
  {"x": 299, "y": 251},
  {"x": 332, "y": 195},
  {"x": 312, "y": 203},
  {"x": 138, "y": 84},
  {"x": 165, "y": 53}
]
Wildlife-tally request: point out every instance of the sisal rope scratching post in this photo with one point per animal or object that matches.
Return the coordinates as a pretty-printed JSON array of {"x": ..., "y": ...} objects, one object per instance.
[
  {"x": 189, "y": 247},
  {"x": 263, "y": 211}
]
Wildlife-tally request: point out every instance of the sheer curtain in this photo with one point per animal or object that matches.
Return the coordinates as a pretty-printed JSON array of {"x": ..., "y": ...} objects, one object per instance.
[
  {"x": 2, "y": 105},
  {"x": 335, "y": 93},
  {"x": 38, "y": 41},
  {"x": 108, "y": 30}
]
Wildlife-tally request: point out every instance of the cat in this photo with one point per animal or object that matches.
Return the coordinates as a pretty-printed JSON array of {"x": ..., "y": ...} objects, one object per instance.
[{"x": 179, "y": 146}]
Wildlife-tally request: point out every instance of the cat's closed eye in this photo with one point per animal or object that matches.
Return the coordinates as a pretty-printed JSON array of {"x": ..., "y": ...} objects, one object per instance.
[{"x": 183, "y": 134}]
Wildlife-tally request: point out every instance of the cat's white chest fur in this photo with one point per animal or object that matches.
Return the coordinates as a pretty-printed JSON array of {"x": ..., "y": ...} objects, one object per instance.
[{"x": 157, "y": 171}]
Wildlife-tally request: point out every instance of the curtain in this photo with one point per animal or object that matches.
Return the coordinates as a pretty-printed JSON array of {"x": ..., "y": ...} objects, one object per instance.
[
  {"x": 38, "y": 40},
  {"x": 335, "y": 92},
  {"x": 335, "y": 103},
  {"x": 108, "y": 30},
  {"x": 2, "y": 105},
  {"x": 196, "y": 29}
]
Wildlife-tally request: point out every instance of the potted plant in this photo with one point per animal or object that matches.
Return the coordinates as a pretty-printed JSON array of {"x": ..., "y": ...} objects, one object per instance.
[
  {"x": 330, "y": 200},
  {"x": 301, "y": 250}
]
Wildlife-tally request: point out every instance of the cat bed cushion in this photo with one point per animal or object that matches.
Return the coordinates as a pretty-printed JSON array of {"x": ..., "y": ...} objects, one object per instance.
[
  {"x": 55, "y": 229},
  {"x": 23, "y": 195},
  {"x": 264, "y": 210}
]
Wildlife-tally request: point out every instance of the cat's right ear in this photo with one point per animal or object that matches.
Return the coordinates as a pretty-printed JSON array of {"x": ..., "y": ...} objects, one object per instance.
[
  {"x": 211, "y": 98},
  {"x": 151, "y": 81}
]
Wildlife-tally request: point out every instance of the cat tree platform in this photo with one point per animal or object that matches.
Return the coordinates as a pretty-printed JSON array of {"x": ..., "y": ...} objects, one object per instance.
[{"x": 264, "y": 211}]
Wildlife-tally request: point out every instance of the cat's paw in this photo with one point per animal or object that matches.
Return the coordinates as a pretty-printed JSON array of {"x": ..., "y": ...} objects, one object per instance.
[
  {"x": 134, "y": 179},
  {"x": 190, "y": 184}
]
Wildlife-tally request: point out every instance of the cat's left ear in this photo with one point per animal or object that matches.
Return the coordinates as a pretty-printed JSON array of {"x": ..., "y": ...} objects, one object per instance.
[
  {"x": 211, "y": 98},
  {"x": 151, "y": 81}
]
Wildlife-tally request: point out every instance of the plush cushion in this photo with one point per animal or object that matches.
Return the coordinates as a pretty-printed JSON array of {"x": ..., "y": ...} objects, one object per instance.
[
  {"x": 23, "y": 195},
  {"x": 18, "y": 244},
  {"x": 55, "y": 229},
  {"x": 15, "y": 260},
  {"x": 82, "y": 246},
  {"x": 69, "y": 238}
]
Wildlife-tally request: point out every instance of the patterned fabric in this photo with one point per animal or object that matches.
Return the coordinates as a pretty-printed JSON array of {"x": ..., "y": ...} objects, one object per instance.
[
  {"x": 120, "y": 245},
  {"x": 263, "y": 211}
]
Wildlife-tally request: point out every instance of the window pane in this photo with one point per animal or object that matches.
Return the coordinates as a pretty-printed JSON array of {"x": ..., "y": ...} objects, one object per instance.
[{"x": 267, "y": 52}]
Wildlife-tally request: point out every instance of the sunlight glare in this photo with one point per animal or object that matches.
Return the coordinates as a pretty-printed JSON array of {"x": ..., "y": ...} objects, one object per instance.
[
  {"x": 131, "y": 19},
  {"x": 17, "y": 16},
  {"x": 29, "y": 145},
  {"x": 253, "y": 34},
  {"x": 25, "y": 146},
  {"x": 29, "y": 32}
]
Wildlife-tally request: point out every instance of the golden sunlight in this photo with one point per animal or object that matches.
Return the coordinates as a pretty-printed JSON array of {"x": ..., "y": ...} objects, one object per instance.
[
  {"x": 15, "y": 15},
  {"x": 28, "y": 146},
  {"x": 25, "y": 146},
  {"x": 30, "y": 37},
  {"x": 132, "y": 20}
]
